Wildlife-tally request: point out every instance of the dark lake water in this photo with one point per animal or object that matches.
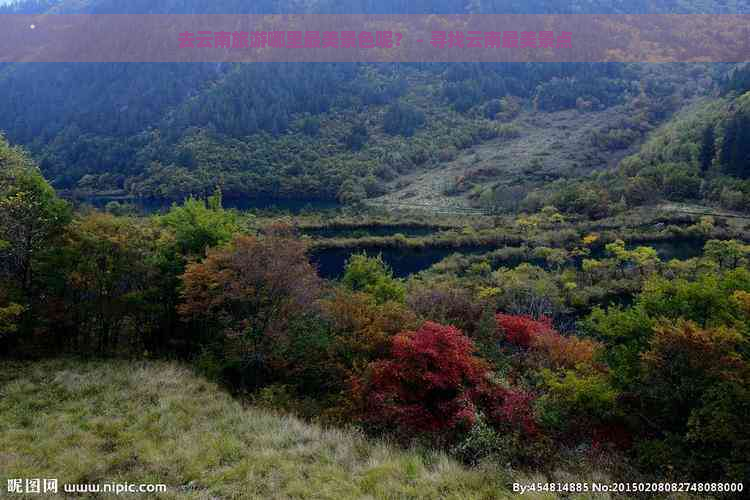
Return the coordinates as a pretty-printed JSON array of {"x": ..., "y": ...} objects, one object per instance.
[
  {"x": 403, "y": 261},
  {"x": 151, "y": 206},
  {"x": 681, "y": 249},
  {"x": 678, "y": 248},
  {"x": 364, "y": 231}
]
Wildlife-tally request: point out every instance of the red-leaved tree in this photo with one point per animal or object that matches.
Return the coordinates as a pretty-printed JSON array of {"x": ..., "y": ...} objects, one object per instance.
[
  {"x": 521, "y": 330},
  {"x": 428, "y": 385},
  {"x": 553, "y": 349},
  {"x": 510, "y": 409},
  {"x": 433, "y": 383}
]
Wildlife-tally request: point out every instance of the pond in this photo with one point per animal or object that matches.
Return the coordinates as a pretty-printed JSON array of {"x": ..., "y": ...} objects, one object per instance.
[
  {"x": 373, "y": 230},
  {"x": 403, "y": 261},
  {"x": 152, "y": 205},
  {"x": 680, "y": 249},
  {"x": 406, "y": 260},
  {"x": 677, "y": 248}
]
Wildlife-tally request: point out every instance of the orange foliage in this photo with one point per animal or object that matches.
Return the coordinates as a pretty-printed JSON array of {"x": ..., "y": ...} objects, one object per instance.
[
  {"x": 253, "y": 284},
  {"x": 363, "y": 328},
  {"x": 742, "y": 299},
  {"x": 538, "y": 335},
  {"x": 565, "y": 352}
]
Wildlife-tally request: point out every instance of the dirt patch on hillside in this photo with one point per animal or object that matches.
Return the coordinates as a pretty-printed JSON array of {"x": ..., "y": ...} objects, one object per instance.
[{"x": 550, "y": 146}]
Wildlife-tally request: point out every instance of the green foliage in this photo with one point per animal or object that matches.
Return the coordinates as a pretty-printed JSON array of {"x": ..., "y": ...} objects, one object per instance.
[
  {"x": 708, "y": 148},
  {"x": 705, "y": 301},
  {"x": 729, "y": 254},
  {"x": 527, "y": 289},
  {"x": 585, "y": 197},
  {"x": 483, "y": 443},
  {"x": 110, "y": 276},
  {"x": 626, "y": 332},
  {"x": 200, "y": 224},
  {"x": 351, "y": 192},
  {"x": 642, "y": 258},
  {"x": 679, "y": 359},
  {"x": 357, "y": 138},
  {"x": 403, "y": 119},
  {"x": 575, "y": 401},
  {"x": 9, "y": 317},
  {"x": 734, "y": 155},
  {"x": 371, "y": 275},
  {"x": 32, "y": 222},
  {"x": 695, "y": 387},
  {"x": 32, "y": 217},
  {"x": 487, "y": 337}
]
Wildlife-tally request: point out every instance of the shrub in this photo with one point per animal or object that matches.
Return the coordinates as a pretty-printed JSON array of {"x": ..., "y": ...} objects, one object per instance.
[
  {"x": 200, "y": 224},
  {"x": 483, "y": 442},
  {"x": 402, "y": 119},
  {"x": 9, "y": 318},
  {"x": 445, "y": 303},
  {"x": 371, "y": 275},
  {"x": 248, "y": 294},
  {"x": 429, "y": 384},
  {"x": 362, "y": 329},
  {"x": 520, "y": 330},
  {"x": 695, "y": 389},
  {"x": 742, "y": 300},
  {"x": 510, "y": 409},
  {"x": 576, "y": 404},
  {"x": 434, "y": 385},
  {"x": 565, "y": 352}
]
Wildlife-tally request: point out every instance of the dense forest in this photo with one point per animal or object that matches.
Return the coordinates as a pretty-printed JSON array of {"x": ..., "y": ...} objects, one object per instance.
[{"x": 166, "y": 131}]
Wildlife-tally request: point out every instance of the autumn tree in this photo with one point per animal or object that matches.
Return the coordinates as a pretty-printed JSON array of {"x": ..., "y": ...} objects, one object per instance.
[
  {"x": 433, "y": 384},
  {"x": 110, "y": 273},
  {"x": 427, "y": 385},
  {"x": 693, "y": 396},
  {"x": 521, "y": 330},
  {"x": 447, "y": 303},
  {"x": 247, "y": 291},
  {"x": 363, "y": 327},
  {"x": 195, "y": 226},
  {"x": 32, "y": 217}
]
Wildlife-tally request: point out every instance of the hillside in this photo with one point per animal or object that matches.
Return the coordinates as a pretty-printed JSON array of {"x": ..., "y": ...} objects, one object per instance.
[
  {"x": 335, "y": 132},
  {"x": 699, "y": 155},
  {"x": 542, "y": 148},
  {"x": 156, "y": 422}
]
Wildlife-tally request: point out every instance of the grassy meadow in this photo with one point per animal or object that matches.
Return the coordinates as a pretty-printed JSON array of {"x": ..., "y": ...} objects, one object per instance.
[{"x": 157, "y": 422}]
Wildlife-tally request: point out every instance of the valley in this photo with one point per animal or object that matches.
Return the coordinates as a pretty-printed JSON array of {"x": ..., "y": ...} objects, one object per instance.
[{"x": 375, "y": 281}]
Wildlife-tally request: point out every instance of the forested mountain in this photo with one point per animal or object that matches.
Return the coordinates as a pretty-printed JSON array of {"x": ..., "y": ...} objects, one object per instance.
[{"x": 312, "y": 131}]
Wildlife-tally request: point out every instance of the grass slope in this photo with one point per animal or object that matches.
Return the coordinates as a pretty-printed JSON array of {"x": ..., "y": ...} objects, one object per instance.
[
  {"x": 549, "y": 146},
  {"x": 156, "y": 422}
]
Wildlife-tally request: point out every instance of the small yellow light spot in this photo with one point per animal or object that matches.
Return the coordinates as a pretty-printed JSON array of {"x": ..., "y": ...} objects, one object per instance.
[{"x": 33, "y": 26}]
